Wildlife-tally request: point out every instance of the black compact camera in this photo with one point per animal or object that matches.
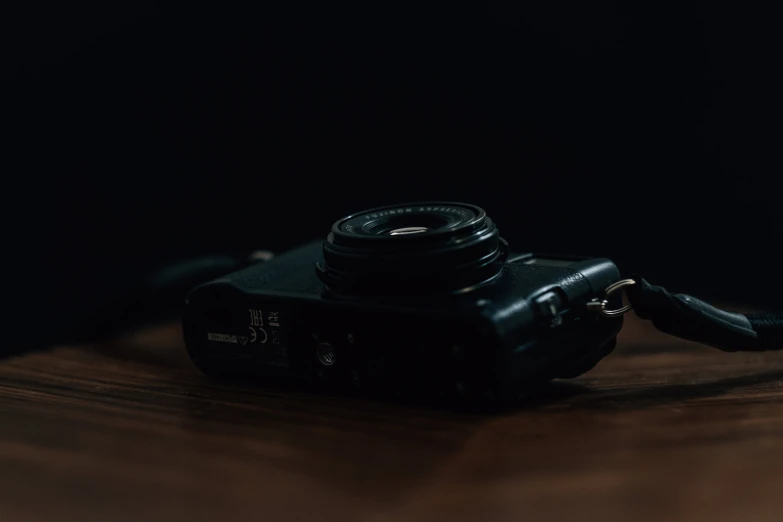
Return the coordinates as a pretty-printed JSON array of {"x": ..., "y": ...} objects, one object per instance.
[{"x": 407, "y": 299}]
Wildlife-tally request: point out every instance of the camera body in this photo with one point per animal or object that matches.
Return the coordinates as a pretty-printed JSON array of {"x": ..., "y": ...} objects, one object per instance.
[{"x": 320, "y": 315}]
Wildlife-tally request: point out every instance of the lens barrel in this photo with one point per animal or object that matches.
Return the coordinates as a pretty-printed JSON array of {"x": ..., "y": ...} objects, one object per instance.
[{"x": 412, "y": 249}]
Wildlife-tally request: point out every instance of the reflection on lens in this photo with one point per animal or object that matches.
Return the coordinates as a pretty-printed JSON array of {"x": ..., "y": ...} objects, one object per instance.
[{"x": 407, "y": 230}]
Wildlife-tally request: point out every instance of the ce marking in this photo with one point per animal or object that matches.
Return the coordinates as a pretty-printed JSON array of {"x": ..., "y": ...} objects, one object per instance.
[{"x": 255, "y": 333}]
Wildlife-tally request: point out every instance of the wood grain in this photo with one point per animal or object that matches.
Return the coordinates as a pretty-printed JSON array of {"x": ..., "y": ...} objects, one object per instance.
[{"x": 129, "y": 430}]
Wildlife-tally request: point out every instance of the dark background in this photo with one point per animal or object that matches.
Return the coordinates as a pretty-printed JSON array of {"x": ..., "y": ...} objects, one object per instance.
[{"x": 145, "y": 132}]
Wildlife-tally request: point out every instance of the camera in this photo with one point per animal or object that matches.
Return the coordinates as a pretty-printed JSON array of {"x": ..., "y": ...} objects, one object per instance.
[{"x": 411, "y": 299}]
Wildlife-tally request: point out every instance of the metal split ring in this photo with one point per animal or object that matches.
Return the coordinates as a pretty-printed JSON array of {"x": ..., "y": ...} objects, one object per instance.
[{"x": 599, "y": 305}]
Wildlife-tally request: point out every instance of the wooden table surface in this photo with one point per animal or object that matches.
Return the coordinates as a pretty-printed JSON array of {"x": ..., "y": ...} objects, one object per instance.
[{"x": 129, "y": 430}]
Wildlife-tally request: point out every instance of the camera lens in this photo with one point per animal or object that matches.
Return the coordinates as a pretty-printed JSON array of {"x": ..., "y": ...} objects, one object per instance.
[
  {"x": 408, "y": 219},
  {"x": 412, "y": 249}
]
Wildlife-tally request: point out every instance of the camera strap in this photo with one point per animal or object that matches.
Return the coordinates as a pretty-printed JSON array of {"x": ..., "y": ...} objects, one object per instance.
[{"x": 689, "y": 318}]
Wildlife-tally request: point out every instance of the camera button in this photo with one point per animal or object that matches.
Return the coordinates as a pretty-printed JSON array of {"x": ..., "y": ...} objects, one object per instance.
[
  {"x": 548, "y": 305},
  {"x": 326, "y": 354}
]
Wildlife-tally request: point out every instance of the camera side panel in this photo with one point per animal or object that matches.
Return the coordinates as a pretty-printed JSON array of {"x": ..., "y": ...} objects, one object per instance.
[{"x": 551, "y": 333}]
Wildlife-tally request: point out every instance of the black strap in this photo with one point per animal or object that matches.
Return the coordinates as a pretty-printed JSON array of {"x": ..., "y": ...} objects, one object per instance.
[{"x": 690, "y": 318}]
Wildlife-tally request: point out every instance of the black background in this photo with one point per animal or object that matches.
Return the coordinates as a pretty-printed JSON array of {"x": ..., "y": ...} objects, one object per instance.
[{"x": 146, "y": 132}]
